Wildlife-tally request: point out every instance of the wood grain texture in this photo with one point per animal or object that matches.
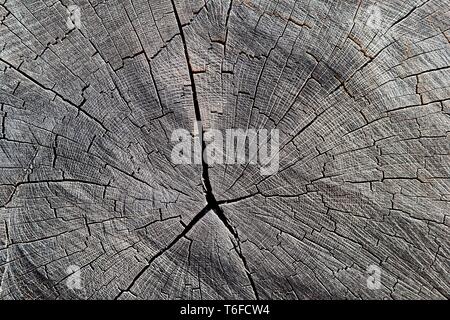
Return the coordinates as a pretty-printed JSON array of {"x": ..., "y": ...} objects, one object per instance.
[{"x": 86, "y": 177}]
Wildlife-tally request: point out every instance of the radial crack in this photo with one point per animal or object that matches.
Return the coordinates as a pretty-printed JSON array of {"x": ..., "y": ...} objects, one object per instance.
[{"x": 185, "y": 231}]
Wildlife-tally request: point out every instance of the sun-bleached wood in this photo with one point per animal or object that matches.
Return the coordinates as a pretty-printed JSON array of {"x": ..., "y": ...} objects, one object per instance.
[{"x": 86, "y": 177}]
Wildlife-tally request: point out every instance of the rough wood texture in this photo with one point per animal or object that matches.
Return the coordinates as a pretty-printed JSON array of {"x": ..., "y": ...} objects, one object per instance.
[{"x": 86, "y": 177}]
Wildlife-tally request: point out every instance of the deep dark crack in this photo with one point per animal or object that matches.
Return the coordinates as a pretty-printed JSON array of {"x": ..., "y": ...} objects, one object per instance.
[{"x": 207, "y": 187}]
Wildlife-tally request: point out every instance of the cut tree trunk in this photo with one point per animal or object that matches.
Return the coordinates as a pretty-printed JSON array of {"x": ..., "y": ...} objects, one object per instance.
[{"x": 93, "y": 207}]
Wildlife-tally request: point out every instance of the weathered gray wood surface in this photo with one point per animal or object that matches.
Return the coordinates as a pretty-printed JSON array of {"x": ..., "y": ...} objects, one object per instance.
[{"x": 86, "y": 177}]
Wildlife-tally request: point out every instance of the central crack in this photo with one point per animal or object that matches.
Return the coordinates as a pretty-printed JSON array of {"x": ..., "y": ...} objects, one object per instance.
[
  {"x": 211, "y": 203},
  {"x": 207, "y": 188}
]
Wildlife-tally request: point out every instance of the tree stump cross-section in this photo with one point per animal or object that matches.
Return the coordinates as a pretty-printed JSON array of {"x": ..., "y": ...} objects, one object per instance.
[{"x": 92, "y": 205}]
